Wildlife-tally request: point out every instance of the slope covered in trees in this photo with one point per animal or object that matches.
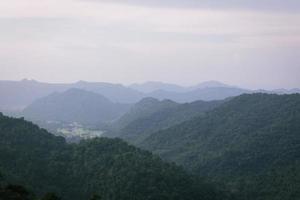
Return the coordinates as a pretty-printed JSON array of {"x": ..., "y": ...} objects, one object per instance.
[
  {"x": 108, "y": 168},
  {"x": 144, "y": 119},
  {"x": 251, "y": 142},
  {"x": 15, "y": 192},
  {"x": 142, "y": 109}
]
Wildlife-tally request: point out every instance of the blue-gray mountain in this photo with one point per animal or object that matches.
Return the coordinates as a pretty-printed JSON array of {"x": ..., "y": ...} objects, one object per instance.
[
  {"x": 149, "y": 87},
  {"x": 16, "y": 95},
  {"x": 75, "y": 105}
]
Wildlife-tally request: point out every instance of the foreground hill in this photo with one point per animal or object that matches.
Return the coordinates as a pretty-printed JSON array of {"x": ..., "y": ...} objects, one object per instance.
[
  {"x": 75, "y": 105},
  {"x": 109, "y": 168},
  {"x": 151, "y": 115},
  {"x": 252, "y": 142}
]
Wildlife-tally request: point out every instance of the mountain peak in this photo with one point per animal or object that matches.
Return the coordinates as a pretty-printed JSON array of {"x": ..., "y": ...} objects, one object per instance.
[
  {"x": 210, "y": 84},
  {"x": 152, "y": 86},
  {"x": 25, "y": 80}
]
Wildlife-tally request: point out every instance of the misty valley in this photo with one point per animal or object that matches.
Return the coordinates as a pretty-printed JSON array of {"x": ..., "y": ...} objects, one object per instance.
[
  {"x": 211, "y": 141},
  {"x": 150, "y": 100}
]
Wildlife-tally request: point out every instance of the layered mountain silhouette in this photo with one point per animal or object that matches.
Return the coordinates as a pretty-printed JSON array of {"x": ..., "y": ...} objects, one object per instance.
[
  {"x": 149, "y": 87},
  {"x": 75, "y": 105},
  {"x": 151, "y": 115},
  {"x": 17, "y": 95},
  {"x": 205, "y": 94},
  {"x": 247, "y": 144}
]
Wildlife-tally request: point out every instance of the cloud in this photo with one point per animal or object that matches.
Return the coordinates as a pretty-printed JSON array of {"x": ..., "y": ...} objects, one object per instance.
[
  {"x": 274, "y": 5},
  {"x": 127, "y": 41}
]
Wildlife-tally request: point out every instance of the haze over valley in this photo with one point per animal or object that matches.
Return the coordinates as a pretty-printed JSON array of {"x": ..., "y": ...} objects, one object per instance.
[{"x": 150, "y": 100}]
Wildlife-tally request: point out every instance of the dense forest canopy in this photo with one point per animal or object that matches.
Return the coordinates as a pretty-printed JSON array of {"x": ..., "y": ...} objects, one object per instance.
[
  {"x": 151, "y": 115},
  {"x": 109, "y": 168},
  {"x": 251, "y": 143}
]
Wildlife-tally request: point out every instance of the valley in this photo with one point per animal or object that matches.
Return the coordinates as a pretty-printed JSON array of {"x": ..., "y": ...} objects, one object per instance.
[
  {"x": 150, "y": 100},
  {"x": 235, "y": 145}
]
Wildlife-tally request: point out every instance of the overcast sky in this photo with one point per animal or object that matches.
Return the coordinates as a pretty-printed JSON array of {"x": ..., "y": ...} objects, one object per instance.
[{"x": 250, "y": 43}]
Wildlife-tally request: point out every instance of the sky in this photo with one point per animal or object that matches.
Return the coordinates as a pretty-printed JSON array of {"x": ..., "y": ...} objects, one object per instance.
[{"x": 250, "y": 43}]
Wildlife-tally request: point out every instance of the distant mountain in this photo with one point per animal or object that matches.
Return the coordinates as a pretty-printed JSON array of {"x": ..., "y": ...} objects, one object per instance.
[
  {"x": 16, "y": 95},
  {"x": 115, "y": 92},
  {"x": 108, "y": 169},
  {"x": 149, "y": 87},
  {"x": 151, "y": 115},
  {"x": 206, "y": 91},
  {"x": 205, "y": 94},
  {"x": 251, "y": 143},
  {"x": 209, "y": 84},
  {"x": 75, "y": 105},
  {"x": 285, "y": 91}
]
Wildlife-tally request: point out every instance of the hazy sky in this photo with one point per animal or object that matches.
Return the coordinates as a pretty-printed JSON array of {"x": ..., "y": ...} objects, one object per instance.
[{"x": 250, "y": 43}]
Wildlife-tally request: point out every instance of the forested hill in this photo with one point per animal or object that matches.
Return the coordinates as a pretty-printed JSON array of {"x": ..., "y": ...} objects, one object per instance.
[
  {"x": 142, "y": 109},
  {"x": 110, "y": 168},
  {"x": 251, "y": 141},
  {"x": 140, "y": 123}
]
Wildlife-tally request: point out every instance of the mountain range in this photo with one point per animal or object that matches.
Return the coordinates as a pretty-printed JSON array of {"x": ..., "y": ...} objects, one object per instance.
[
  {"x": 151, "y": 86},
  {"x": 245, "y": 145},
  {"x": 249, "y": 144},
  {"x": 17, "y": 95}
]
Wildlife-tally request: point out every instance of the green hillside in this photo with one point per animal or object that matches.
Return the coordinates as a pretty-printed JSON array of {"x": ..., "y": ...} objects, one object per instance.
[
  {"x": 142, "y": 109},
  {"x": 251, "y": 143},
  {"x": 109, "y": 168},
  {"x": 151, "y": 115}
]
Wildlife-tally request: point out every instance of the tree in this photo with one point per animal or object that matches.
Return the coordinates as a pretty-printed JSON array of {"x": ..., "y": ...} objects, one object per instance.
[
  {"x": 15, "y": 192},
  {"x": 50, "y": 196},
  {"x": 96, "y": 197}
]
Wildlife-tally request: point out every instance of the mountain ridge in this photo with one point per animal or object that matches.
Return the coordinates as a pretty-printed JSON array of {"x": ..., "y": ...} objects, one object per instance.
[
  {"x": 143, "y": 119},
  {"x": 75, "y": 105},
  {"x": 249, "y": 142},
  {"x": 16, "y": 95}
]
